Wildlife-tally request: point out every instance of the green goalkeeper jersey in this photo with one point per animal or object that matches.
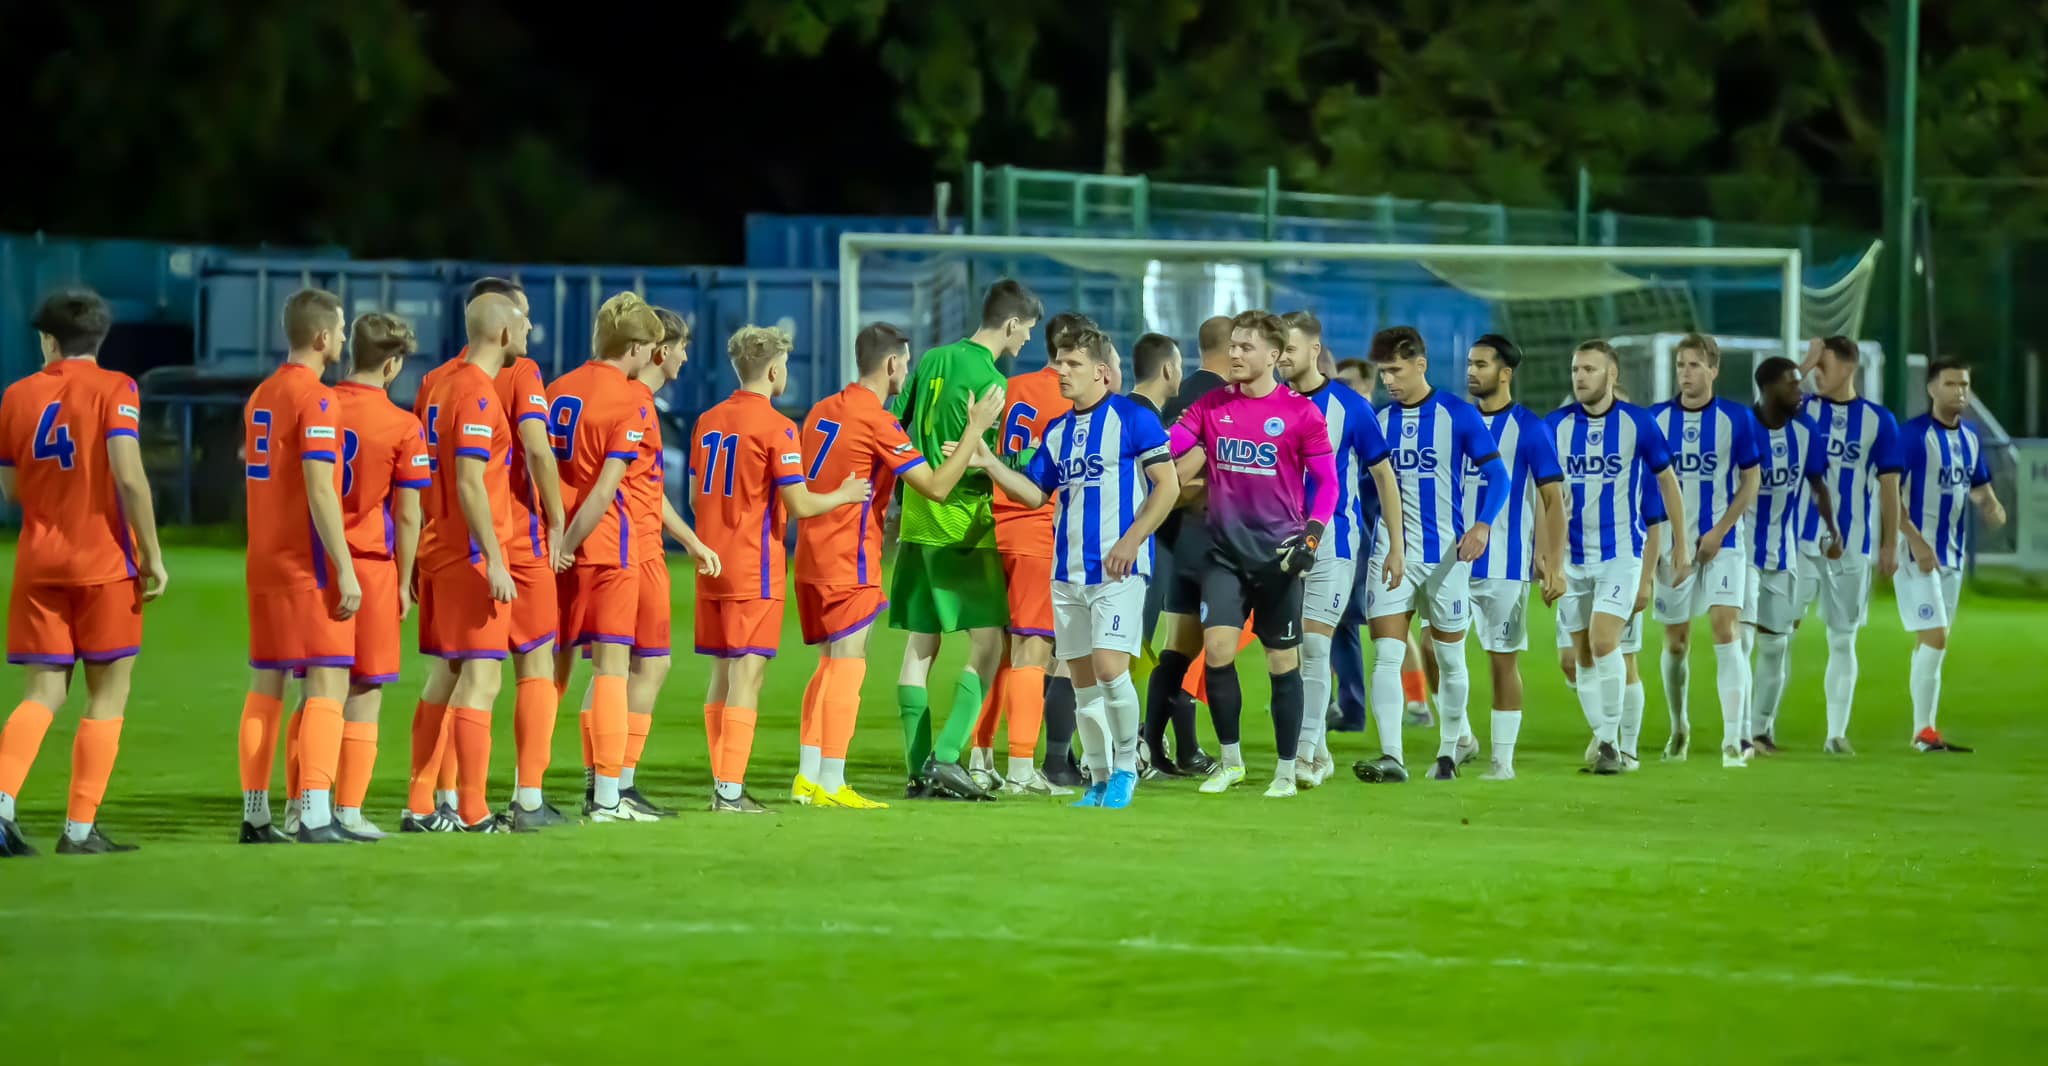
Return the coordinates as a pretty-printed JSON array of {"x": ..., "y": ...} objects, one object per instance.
[{"x": 933, "y": 409}]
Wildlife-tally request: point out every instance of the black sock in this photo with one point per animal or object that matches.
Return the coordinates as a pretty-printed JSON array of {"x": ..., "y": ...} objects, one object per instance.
[
  {"x": 1186, "y": 742},
  {"x": 1160, "y": 707},
  {"x": 1226, "y": 703},
  {"x": 1287, "y": 712},
  {"x": 1059, "y": 718}
]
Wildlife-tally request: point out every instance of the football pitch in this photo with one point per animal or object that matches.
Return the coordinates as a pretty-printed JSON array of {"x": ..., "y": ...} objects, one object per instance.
[{"x": 1886, "y": 907}]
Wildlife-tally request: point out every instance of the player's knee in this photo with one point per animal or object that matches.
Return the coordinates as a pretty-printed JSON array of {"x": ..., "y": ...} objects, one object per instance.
[
  {"x": 1283, "y": 660},
  {"x": 652, "y": 669},
  {"x": 1677, "y": 638},
  {"x": 1601, "y": 648},
  {"x": 326, "y": 683},
  {"x": 1936, "y": 638}
]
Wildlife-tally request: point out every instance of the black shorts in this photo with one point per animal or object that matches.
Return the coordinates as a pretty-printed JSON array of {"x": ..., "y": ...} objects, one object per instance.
[
  {"x": 1183, "y": 584},
  {"x": 1272, "y": 600}
]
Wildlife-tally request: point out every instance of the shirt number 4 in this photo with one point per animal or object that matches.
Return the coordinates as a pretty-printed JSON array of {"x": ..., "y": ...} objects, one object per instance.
[{"x": 53, "y": 438}]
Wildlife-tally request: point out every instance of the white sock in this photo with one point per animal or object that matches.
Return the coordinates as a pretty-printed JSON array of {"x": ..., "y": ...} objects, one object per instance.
[
  {"x": 1731, "y": 677},
  {"x": 1925, "y": 681},
  {"x": 1315, "y": 692},
  {"x": 1283, "y": 770},
  {"x": 1091, "y": 719},
  {"x": 6, "y": 806},
  {"x": 1507, "y": 725},
  {"x": 1588, "y": 691},
  {"x": 448, "y": 797},
  {"x": 317, "y": 808},
  {"x": 808, "y": 761},
  {"x": 1609, "y": 676},
  {"x": 1388, "y": 705},
  {"x": 727, "y": 790},
  {"x": 76, "y": 832},
  {"x": 1840, "y": 680},
  {"x": 625, "y": 778},
  {"x": 1746, "y": 633},
  {"x": 256, "y": 807},
  {"x": 1632, "y": 700},
  {"x": 1767, "y": 683},
  {"x": 607, "y": 792},
  {"x": 1677, "y": 668},
  {"x": 831, "y": 774},
  {"x": 1123, "y": 713},
  {"x": 1233, "y": 754},
  {"x": 1453, "y": 691},
  {"x": 348, "y": 816},
  {"x": 1020, "y": 769},
  {"x": 527, "y": 798}
]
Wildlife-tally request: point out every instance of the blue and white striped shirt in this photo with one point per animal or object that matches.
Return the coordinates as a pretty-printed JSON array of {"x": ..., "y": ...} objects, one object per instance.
[
  {"x": 1093, "y": 462},
  {"x": 1862, "y": 445},
  {"x": 1710, "y": 448},
  {"x": 1789, "y": 455},
  {"x": 1530, "y": 455},
  {"x": 1943, "y": 463},
  {"x": 1435, "y": 444},
  {"x": 1606, "y": 458},
  {"x": 1356, "y": 440}
]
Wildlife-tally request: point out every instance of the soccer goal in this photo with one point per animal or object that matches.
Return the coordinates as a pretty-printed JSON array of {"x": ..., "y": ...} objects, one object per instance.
[{"x": 1546, "y": 298}]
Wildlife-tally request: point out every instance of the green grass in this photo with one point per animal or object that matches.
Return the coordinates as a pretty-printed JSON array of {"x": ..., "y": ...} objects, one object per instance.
[{"x": 1808, "y": 909}]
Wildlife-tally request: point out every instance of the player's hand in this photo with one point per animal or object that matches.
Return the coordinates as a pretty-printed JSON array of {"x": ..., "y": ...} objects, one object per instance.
[
  {"x": 554, "y": 534},
  {"x": 560, "y": 558},
  {"x": 1887, "y": 559},
  {"x": 855, "y": 490},
  {"x": 1681, "y": 568},
  {"x": 500, "y": 580},
  {"x": 983, "y": 456},
  {"x": 1122, "y": 560},
  {"x": 154, "y": 580},
  {"x": 1923, "y": 554},
  {"x": 1831, "y": 546},
  {"x": 1550, "y": 580},
  {"x": 709, "y": 564},
  {"x": 405, "y": 601},
  {"x": 1642, "y": 599},
  {"x": 1708, "y": 547},
  {"x": 947, "y": 449},
  {"x": 1298, "y": 552},
  {"x": 1394, "y": 568},
  {"x": 1473, "y": 544},
  {"x": 983, "y": 411},
  {"x": 1813, "y": 349},
  {"x": 350, "y": 599},
  {"x": 1993, "y": 512}
]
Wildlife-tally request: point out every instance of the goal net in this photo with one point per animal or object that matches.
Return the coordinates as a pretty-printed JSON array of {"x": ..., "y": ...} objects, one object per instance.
[{"x": 1546, "y": 298}]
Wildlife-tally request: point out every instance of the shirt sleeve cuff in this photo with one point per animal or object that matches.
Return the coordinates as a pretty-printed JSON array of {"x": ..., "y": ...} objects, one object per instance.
[
  {"x": 910, "y": 464},
  {"x": 473, "y": 453},
  {"x": 789, "y": 479},
  {"x": 414, "y": 483},
  {"x": 533, "y": 415},
  {"x": 624, "y": 457},
  {"x": 317, "y": 457},
  {"x": 1549, "y": 479},
  {"x": 112, "y": 433}
]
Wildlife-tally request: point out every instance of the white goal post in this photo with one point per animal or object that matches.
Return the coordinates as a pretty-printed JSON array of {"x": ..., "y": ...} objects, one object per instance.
[{"x": 852, "y": 246}]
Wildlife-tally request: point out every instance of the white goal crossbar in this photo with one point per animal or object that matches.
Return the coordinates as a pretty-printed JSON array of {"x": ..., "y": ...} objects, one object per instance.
[{"x": 852, "y": 246}]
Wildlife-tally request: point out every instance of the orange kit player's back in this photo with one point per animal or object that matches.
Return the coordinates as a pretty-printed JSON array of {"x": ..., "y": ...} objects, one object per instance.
[
  {"x": 291, "y": 418},
  {"x": 744, "y": 452},
  {"x": 466, "y": 420},
  {"x": 383, "y": 450},
  {"x": 54, "y": 427},
  {"x": 1031, "y": 402},
  {"x": 849, "y": 434},
  {"x": 596, "y": 414},
  {"x": 1024, "y": 543}
]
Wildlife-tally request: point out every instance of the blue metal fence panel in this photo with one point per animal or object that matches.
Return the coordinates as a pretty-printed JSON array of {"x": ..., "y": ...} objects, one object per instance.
[
  {"x": 145, "y": 281},
  {"x": 811, "y": 242}
]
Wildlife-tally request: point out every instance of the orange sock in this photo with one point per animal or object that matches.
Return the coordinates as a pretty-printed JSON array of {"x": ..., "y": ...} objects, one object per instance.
[
  {"x": 1026, "y": 698},
  {"x": 533, "y": 728},
  {"x": 426, "y": 755},
  {"x": 992, "y": 707},
  {"x": 320, "y": 744},
  {"x": 473, "y": 758},
  {"x": 1414, "y": 686},
  {"x": 293, "y": 786},
  {"x": 714, "y": 730},
  {"x": 260, "y": 715},
  {"x": 736, "y": 744},
  {"x": 637, "y": 727},
  {"x": 608, "y": 724},
  {"x": 92, "y": 762},
  {"x": 358, "y": 760},
  {"x": 841, "y": 696},
  {"x": 445, "y": 769},
  {"x": 583, "y": 726},
  {"x": 811, "y": 726},
  {"x": 19, "y": 742}
]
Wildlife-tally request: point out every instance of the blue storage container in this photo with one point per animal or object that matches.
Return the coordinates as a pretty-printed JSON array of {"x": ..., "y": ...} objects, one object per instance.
[
  {"x": 811, "y": 242},
  {"x": 241, "y": 300}
]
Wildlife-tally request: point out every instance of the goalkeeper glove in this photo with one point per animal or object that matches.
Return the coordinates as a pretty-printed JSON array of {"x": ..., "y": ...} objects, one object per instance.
[{"x": 1298, "y": 552}]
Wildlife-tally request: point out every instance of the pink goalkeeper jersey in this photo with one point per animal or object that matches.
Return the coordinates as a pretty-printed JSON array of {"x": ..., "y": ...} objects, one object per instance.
[{"x": 1269, "y": 465}]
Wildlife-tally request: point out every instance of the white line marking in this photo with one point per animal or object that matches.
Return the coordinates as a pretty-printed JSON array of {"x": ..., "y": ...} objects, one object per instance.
[{"x": 1143, "y": 945}]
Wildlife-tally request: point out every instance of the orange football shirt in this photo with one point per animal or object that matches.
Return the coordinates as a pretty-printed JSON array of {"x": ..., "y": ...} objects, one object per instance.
[
  {"x": 1030, "y": 403},
  {"x": 54, "y": 428},
  {"x": 383, "y": 450},
  {"x": 646, "y": 486},
  {"x": 849, "y": 434},
  {"x": 466, "y": 422},
  {"x": 596, "y": 414},
  {"x": 291, "y": 419},
  {"x": 744, "y": 451}
]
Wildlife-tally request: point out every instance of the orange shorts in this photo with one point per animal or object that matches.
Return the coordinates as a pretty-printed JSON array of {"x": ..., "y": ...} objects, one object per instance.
[
  {"x": 458, "y": 617},
  {"x": 599, "y": 604},
  {"x": 1029, "y": 580},
  {"x": 654, "y": 622},
  {"x": 835, "y": 612},
  {"x": 534, "y": 613},
  {"x": 57, "y": 625},
  {"x": 295, "y": 629},
  {"x": 380, "y": 646},
  {"x": 729, "y": 629}
]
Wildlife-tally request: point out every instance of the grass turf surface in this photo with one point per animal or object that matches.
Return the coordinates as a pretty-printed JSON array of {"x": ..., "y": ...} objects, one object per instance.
[{"x": 1806, "y": 909}]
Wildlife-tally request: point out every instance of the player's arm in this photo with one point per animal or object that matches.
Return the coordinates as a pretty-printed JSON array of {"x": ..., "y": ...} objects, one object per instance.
[
  {"x": 405, "y": 515},
  {"x": 803, "y": 503},
  {"x": 475, "y": 500},
  {"x": 1550, "y": 525},
  {"x": 1824, "y": 502},
  {"x": 591, "y": 511},
  {"x": 1746, "y": 486},
  {"x": 323, "y": 500},
  {"x": 1298, "y": 552},
  {"x": 1032, "y": 487},
  {"x": 542, "y": 471},
  {"x": 1653, "y": 547},
  {"x": 124, "y": 458},
  {"x": 1674, "y": 504},
  {"x": 1889, "y": 456},
  {"x": 1988, "y": 507},
  {"x": 1123, "y": 556},
  {"x": 938, "y": 484},
  {"x": 672, "y": 523}
]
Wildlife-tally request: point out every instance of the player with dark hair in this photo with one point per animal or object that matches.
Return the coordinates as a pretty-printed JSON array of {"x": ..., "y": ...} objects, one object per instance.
[{"x": 1793, "y": 459}]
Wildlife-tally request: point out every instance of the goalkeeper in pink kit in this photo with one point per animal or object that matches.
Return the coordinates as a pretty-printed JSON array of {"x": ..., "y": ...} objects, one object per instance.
[{"x": 1272, "y": 489}]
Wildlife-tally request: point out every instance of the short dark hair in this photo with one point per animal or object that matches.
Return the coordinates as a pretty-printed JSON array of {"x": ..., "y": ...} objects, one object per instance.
[
  {"x": 875, "y": 344},
  {"x": 1702, "y": 344},
  {"x": 674, "y": 330},
  {"x": 1149, "y": 358},
  {"x": 1060, "y": 331},
  {"x": 1842, "y": 348},
  {"x": 1602, "y": 347},
  {"x": 1503, "y": 349},
  {"x": 77, "y": 318},
  {"x": 306, "y": 313},
  {"x": 1265, "y": 323},
  {"x": 1363, "y": 368},
  {"x": 1395, "y": 343},
  {"x": 1935, "y": 367},
  {"x": 1008, "y": 299},
  {"x": 378, "y": 337},
  {"x": 489, "y": 285},
  {"x": 1305, "y": 321},
  {"x": 1773, "y": 370},
  {"x": 1091, "y": 340},
  {"x": 1214, "y": 335}
]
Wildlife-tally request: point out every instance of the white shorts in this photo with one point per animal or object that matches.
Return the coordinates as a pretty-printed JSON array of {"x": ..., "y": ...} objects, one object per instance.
[
  {"x": 1327, "y": 590},
  {"x": 1721, "y": 583},
  {"x": 1774, "y": 606},
  {"x": 1439, "y": 592},
  {"x": 1607, "y": 588},
  {"x": 1105, "y": 617},
  {"x": 1500, "y": 608},
  {"x": 1841, "y": 585},
  {"x": 1631, "y": 636},
  {"x": 1926, "y": 600}
]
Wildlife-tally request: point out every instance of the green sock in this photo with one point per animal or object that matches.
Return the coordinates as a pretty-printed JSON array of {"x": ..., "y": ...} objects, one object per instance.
[
  {"x": 913, "y": 704},
  {"x": 961, "y": 718}
]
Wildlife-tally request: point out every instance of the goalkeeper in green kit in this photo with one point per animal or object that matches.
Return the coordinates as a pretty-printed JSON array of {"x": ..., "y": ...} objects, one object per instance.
[{"x": 948, "y": 576}]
